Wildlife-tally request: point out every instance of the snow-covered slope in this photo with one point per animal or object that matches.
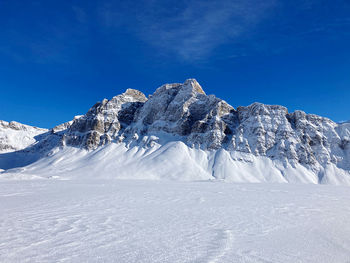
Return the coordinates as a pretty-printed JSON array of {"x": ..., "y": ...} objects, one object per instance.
[
  {"x": 181, "y": 133},
  {"x": 15, "y": 136}
]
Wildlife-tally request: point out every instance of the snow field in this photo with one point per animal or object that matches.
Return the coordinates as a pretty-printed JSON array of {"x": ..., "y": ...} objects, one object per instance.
[{"x": 163, "y": 221}]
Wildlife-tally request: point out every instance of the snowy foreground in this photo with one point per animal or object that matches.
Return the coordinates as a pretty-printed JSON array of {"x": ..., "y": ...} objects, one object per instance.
[{"x": 159, "y": 221}]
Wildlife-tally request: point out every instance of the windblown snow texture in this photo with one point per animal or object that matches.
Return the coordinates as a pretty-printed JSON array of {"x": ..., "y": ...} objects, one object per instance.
[
  {"x": 181, "y": 133},
  {"x": 172, "y": 222}
]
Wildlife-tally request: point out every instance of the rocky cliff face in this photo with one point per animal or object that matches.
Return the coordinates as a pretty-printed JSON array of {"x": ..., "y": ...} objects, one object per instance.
[
  {"x": 183, "y": 112},
  {"x": 104, "y": 121},
  {"x": 295, "y": 137}
]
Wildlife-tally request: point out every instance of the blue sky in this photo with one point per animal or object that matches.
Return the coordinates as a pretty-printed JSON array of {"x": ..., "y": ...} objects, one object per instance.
[{"x": 57, "y": 58}]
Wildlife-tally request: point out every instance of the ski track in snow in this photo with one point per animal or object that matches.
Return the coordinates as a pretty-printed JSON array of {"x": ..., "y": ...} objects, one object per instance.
[{"x": 160, "y": 221}]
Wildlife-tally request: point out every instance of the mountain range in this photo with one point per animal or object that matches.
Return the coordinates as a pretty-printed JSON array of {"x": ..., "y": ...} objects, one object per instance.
[{"x": 180, "y": 133}]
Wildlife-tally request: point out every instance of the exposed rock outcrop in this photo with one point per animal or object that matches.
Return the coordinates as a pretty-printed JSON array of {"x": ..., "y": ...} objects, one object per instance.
[{"x": 103, "y": 122}]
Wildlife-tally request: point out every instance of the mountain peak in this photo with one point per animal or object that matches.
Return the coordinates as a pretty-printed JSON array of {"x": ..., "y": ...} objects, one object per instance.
[
  {"x": 16, "y": 136},
  {"x": 189, "y": 87},
  {"x": 194, "y": 85},
  {"x": 135, "y": 94}
]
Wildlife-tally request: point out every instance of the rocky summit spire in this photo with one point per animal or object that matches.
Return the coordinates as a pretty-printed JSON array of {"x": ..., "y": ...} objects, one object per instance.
[{"x": 194, "y": 85}]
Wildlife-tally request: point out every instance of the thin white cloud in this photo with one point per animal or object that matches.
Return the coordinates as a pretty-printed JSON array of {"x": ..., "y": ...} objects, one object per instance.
[{"x": 190, "y": 30}]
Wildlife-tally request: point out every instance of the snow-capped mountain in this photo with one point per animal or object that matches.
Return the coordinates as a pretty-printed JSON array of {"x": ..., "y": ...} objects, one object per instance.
[
  {"x": 15, "y": 136},
  {"x": 179, "y": 132}
]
